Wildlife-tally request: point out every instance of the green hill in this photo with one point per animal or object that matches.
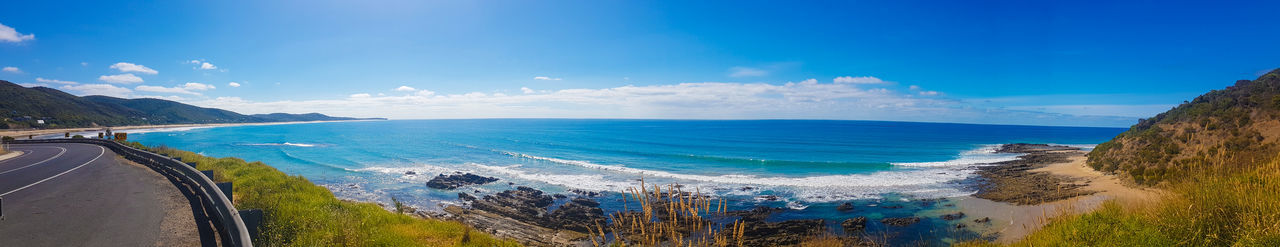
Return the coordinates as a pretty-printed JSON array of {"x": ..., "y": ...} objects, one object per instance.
[
  {"x": 1228, "y": 128},
  {"x": 24, "y": 107}
]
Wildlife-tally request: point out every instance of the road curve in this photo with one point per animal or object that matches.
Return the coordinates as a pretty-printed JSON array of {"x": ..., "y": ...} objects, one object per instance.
[{"x": 70, "y": 194}]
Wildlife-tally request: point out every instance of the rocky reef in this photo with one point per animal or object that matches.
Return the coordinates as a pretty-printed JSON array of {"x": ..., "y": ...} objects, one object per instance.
[
  {"x": 1015, "y": 182},
  {"x": 456, "y": 180}
]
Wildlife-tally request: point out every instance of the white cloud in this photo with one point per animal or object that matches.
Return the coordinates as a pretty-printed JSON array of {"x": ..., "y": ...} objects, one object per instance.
[
  {"x": 233, "y": 84},
  {"x": 8, "y": 34},
  {"x": 915, "y": 88},
  {"x": 929, "y": 93},
  {"x": 56, "y": 81},
  {"x": 197, "y": 86},
  {"x": 526, "y": 90},
  {"x": 807, "y": 99},
  {"x": 170, "y": 97},
  {"x": 858, "y": 80},
  {"x": 97, "y": 89},
  {"x": 129, "y": 67},
  {"x": 747, "y": 72},
  {"x": 405, "y": 89},
  {"x": 84, "y": 64},
  {"x": 158, "y": 89},
  {"x": 121, "y": 79},
  {"x": 544, "y": 78},
  {"x": 14, "y": 70},
  {"x": 202, "y": 65},
  {"x": 1137, "y": 111}
]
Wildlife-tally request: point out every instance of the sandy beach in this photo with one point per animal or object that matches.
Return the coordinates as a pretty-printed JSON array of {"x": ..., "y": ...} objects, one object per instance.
[
  {"x": 1012, "y": 222},
  {"x": 26, "y": 133}
]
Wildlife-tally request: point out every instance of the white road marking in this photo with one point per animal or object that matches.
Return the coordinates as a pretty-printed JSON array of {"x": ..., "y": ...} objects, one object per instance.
[
  {"x": 104, "y": 151},
  {"x": 64, "y": 150},
  {"x": 25, "y": 152}
]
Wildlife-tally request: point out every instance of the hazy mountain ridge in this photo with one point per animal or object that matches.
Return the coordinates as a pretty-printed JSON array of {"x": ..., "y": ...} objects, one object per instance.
[
  {"x": 1236, "y": 126},
  {"x": 22, "y": 107}
]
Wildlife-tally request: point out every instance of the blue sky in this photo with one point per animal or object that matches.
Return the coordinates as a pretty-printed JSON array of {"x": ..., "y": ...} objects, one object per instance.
[{"x": 1018, "y": 62}]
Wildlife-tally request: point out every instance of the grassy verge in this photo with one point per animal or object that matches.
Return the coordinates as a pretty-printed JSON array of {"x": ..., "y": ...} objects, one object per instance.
[
  {"x": 299, "y": 213},
  {"x": 1237, "y": 207}
]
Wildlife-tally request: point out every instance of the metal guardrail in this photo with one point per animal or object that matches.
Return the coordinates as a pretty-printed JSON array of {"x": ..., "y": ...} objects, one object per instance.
[{"x": 231, "y": 228}]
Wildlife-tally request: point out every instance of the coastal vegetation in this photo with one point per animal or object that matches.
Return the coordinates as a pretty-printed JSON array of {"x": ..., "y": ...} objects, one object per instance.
[{"x": 300, "y": 213}]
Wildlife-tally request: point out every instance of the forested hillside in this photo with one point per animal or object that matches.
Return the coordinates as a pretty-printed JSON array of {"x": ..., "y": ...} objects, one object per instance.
[
  {"x": 22, "y": 107},
  {"x": 1230, "y": 128}
]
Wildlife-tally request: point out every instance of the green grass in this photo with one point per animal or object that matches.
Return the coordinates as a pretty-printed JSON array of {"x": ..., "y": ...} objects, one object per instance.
[
  {"x": 299, "y": 213},
  {"x": 1219, "y": 207}
]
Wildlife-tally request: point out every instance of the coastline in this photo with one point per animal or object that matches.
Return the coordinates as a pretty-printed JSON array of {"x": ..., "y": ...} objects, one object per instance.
[
  {"x": 1011, "y": 222},
  {"x": 496, "y": 224},
  {"x": 40, "y": 132}
]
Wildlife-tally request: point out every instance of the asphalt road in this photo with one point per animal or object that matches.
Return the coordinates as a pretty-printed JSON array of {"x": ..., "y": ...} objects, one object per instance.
[{"x": 71, "y": 194}]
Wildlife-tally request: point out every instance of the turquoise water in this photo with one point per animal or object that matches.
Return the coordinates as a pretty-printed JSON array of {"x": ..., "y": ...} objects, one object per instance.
[{"x": 811, "y": 166}]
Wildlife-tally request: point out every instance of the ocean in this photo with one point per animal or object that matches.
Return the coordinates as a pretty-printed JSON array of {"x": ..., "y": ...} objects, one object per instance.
[{"x": 809, "y": 166}]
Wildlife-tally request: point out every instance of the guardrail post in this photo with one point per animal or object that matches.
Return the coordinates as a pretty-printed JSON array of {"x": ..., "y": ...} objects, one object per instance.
[
  {"x": 208, "y": 174},
  {"x": 252, "y": 219},
  {"x": 226, "y": 190},
  {"x": 191, "y": 164}
]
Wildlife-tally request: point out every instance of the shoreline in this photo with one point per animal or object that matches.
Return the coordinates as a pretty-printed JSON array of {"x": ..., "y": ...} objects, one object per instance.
[
  {"x": 42, "y": 132},
  {"x": 1012, "y": 221}
]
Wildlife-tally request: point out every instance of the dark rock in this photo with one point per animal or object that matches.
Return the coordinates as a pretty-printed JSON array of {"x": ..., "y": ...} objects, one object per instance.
[
  {"x": 1031, "y": 148},
  {"x": 961, "y": 226},
  {"x": 955, "y": 216},
  {"x": 786, "y": 233},
  {"x": 585, "y": 193},
  {"x": 530, "y": 206},
  {"x": 448, "y": 182},
  {"x": 848, "y": 206},
  {"x": 949, "y": 205},
  {"x": 854, "y": 225},
  {"x": 767, "y": 198},
  {"x": 906, "y": 221},
  {"x": 510, "y": 183},
  {"x": 523, "y": 204},
  {"x": 466, "y": 197},
  {"x": 755, "y": 214},
  {"x": 410, "y": 173},
  {"x": 579, "y": 214},
  {"x": 559, "y": 196},
  {"x": 892, "y": 206},
  {"x": 982, "y": 220},
  {"x": 746, "y": 188}
]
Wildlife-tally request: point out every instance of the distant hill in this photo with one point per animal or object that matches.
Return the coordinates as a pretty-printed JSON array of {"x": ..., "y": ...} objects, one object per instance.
[
  {"x": 22, "y": 107},
  {"x": 1236, "y": 126}
]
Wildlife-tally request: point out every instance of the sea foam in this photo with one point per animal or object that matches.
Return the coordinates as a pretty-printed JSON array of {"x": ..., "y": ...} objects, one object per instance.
[
  {"x": 916, "y": 181},
  {"x": 986, "y": 154}
]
